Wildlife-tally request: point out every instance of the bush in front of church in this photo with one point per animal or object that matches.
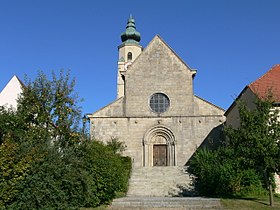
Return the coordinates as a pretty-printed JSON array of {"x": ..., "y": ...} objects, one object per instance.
[
  {"x": 108, "y": 170},
  {"x": 218, "y": 174}
]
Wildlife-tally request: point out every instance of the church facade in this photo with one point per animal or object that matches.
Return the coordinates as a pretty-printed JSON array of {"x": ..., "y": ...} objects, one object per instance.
[{"x": 156, "y": 113}]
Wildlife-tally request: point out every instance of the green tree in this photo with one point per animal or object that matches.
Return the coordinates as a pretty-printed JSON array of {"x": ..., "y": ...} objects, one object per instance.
[
  {"x": 46, "y": 162},
  {"x": 51, "y": 105},
  {"x": 256, "y": 142},
  {"x": 14, "y": 165},
  {"x": 39, "y": 146},
  {"x": 10, "y": 124}
]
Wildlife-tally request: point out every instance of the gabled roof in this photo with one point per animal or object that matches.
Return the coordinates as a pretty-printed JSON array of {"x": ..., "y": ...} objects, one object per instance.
[
  {"x": 269, "y": 82},
  {"x": 157, "y": 37},
  {"x": 211, "y": 104},
  {"x": 114, "y": 109},
  {"x": 237, "y": 99}
]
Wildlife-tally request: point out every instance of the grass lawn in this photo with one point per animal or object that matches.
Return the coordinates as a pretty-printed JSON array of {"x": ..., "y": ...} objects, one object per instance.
[
  {"x": 97, "y": 208},
  {"x": 260, "y": 203}
]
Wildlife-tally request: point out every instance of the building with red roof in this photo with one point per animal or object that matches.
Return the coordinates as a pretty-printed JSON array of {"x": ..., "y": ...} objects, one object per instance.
[{"x": 267, "y": 84}]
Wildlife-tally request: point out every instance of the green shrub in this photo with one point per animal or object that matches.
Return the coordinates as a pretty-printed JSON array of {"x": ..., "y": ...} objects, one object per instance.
[
  {"x": 116, "y": 145},
  {"x": 56, "y": 181},
  {"x": 108, "y": 170},
  {"x": 218, "y": 173},
  {"x": 204, "y": 166},
  {"x": 88, "y": 175},
  {"x": 12, "y": 171}
]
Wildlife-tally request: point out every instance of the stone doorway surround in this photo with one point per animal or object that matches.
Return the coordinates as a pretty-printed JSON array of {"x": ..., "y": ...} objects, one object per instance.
[{"x": 158, "y": 135}]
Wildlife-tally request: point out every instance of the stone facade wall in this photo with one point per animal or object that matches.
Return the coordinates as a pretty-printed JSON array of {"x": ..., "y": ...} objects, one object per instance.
[
  {"x": 158, "y": 69},
  {"x": 183, "y": 127},
  {"x": 189, "y": 133},
  {"x": 168, "y": 138}
]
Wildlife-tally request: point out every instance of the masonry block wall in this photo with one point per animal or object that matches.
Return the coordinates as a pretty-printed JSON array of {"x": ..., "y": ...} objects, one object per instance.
[{"x": 183, "y": 127}]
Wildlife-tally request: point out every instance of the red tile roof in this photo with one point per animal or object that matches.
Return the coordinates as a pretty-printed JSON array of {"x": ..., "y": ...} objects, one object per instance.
[{"x": 269, "y": 82}]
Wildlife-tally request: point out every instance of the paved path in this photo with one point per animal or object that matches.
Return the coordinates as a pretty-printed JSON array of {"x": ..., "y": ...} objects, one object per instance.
[{"x": 165, "y": 203}]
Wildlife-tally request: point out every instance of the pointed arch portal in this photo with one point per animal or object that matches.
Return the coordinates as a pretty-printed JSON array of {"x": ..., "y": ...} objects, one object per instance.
[{"x": 159, "y": 147}]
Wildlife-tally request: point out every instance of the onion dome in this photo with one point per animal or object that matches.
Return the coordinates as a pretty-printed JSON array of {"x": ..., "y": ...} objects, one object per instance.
[{"x": 130, "y": 35}]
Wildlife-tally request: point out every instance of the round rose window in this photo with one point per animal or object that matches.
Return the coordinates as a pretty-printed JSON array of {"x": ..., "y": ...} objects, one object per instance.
[{"x": 159, "y": 102}]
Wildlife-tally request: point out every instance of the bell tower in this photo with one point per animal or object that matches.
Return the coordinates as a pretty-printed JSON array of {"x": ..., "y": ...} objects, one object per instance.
[{"x": 129, "y": 50}]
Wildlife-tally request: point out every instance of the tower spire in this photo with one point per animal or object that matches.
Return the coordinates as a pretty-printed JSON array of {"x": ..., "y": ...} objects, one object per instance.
[
  {"x": 130, "y": 35},
  {"x": 129, "y": 50}
]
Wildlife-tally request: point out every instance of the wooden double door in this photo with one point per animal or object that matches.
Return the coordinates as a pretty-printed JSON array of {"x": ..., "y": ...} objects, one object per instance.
[{"x": 159, "y": 155}]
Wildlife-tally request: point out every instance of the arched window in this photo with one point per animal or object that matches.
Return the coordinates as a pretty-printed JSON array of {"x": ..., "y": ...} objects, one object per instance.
[{"x": 129, "y": 56}]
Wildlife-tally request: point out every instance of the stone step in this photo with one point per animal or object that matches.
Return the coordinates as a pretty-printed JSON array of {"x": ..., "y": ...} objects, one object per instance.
[
  {"x": 158, "y": 181},
  {"x": 158, "y": 203}
]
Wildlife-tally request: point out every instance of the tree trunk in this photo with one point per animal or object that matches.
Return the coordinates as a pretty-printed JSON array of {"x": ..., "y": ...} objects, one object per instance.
[{"x": 271, "y": 201}]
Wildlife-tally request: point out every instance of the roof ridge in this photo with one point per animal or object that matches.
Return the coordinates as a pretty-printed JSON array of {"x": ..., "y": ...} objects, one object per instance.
[
  {"x": 263, "y": 75},
  {"x": 173, "y": 51},
  {"x": 157, "y": 36},
  {"x": 209, "y": 102},
  {"x": 16, "y": 77},
  {"x": 104, "y": 107},
  {"x": 267, "y": 82},
  {"x": 20, "y": 81}
]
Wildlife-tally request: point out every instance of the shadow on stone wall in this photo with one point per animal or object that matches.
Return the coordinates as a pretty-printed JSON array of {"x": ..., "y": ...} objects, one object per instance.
[{"x": 213, "y": 140}]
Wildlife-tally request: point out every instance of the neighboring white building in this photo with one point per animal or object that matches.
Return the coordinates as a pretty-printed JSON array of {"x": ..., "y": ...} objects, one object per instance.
[{"x": 11, "y": 92}]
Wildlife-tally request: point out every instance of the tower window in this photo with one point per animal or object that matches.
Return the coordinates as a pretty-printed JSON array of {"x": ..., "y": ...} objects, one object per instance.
[
  {"x": 129, "y": 56},
  {"x": 159, "y": 102}
]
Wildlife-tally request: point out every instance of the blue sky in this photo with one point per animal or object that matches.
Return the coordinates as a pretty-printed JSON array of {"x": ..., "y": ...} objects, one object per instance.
[{"x": 230, "y": 42}]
